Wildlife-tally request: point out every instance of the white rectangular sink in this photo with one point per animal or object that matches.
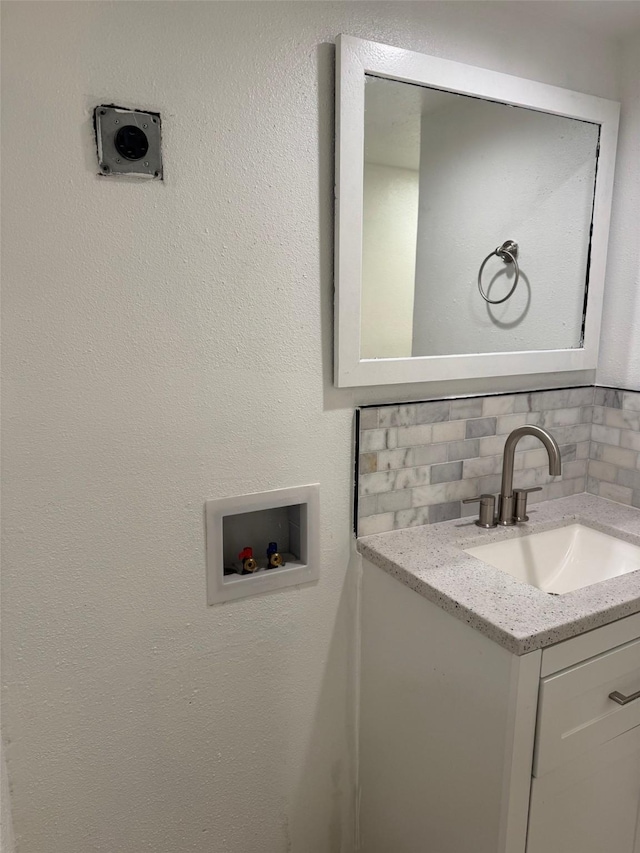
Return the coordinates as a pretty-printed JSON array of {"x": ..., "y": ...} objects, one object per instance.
[{"x": 563, "y": 559}]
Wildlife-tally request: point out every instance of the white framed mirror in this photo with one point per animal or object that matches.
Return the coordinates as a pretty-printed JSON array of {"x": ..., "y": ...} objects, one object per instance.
[{"x": 472, "y": 220}]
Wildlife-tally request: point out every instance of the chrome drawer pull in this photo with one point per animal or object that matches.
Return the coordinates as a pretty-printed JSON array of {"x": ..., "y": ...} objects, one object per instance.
[{"x": 621, "y": 699}]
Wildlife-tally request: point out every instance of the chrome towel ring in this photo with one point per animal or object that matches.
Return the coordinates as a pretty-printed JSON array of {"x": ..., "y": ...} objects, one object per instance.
[{"x": 509, "y": 253}]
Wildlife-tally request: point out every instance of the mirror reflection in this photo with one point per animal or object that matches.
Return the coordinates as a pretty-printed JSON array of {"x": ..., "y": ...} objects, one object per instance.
[{"x": 455, "y": 183}]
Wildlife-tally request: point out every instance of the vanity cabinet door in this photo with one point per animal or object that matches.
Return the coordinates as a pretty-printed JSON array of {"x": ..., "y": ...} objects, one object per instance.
[{"x": 591, "y": 804}]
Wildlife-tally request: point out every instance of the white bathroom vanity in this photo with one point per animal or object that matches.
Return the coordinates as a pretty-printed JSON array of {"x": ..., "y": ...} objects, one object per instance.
[{"x": 497, "y": 717}]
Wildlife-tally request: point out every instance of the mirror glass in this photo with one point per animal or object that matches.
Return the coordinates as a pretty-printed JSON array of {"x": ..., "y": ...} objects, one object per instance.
[{"x": 450, "y": 178}]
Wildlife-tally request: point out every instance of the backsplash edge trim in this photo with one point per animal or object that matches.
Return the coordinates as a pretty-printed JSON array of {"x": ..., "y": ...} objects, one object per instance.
[{"x": 488, "y": 394}]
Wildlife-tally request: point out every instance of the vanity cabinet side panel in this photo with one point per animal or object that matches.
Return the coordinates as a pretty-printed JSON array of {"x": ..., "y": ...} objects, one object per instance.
[{"x": 437, "y": 729}]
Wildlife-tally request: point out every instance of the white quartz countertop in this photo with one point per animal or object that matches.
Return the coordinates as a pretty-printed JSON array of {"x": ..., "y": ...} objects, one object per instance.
[{"x": 430, "y": 560}]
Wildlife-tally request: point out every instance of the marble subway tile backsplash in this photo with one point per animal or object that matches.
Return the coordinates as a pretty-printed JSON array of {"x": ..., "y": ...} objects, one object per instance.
[
  {"x": 614, "y": 453},
  {"x": 418, "y": 462}
]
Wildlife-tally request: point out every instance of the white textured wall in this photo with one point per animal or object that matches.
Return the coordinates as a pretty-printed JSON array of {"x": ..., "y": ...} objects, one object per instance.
[
  {"x": 165, "y": 343},
  {"x": 619, "y": 362},
  {"x": 390, "y": 213},
  {"x": 6, "y": 824}
]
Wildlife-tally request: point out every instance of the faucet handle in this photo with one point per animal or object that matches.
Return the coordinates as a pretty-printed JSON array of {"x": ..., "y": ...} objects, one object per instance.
[
  {"x": 521, "y": 502},
  {"x": 487, "y": 510}
]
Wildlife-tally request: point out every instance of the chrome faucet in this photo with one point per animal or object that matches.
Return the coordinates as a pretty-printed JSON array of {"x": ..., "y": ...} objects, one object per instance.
[
  {"x": 512, "y": 506},
  {"x": 512, "y": 503}
]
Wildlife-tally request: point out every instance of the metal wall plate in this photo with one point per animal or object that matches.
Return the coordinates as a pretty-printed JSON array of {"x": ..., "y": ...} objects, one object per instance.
[{"x": 129, "y": 142}]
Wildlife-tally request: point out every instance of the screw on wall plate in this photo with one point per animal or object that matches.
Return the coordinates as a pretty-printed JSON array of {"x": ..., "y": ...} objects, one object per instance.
[
  {"x": 103, "y": 112},
  {"x": 146, "y": 163},
  {"x": 156, "y": 174},
  {"x": 104, "y": 167},
  {"x": 116, "y": 121},
  {"x": 154, "y": 120},
  {"x": 118, "y": 160},
  {"x": 145, "y": 126}
]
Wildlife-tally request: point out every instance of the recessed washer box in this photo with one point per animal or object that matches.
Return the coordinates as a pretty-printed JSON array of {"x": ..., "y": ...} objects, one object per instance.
[{"x": 290, "y": 517}]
